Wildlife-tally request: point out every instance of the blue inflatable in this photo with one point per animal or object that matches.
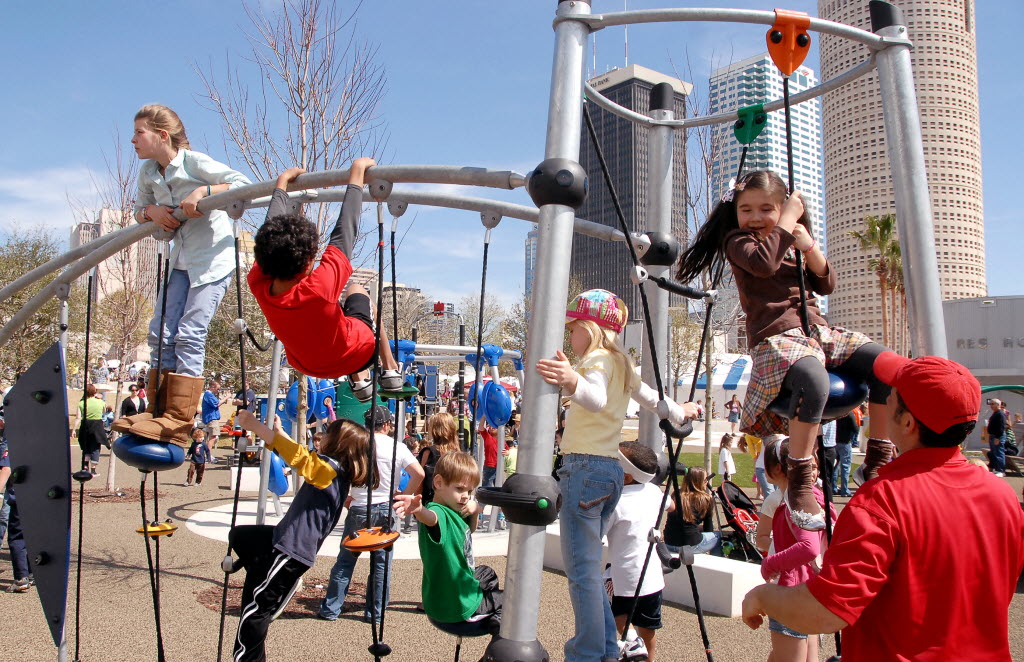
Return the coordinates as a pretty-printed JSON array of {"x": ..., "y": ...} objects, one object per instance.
[
  {"x": 148, "y": 455},
  {"x": 844, "y": 393},
  {"x": 494, "y": 401},
  {"x": 278, "y": 483},
  {"x": 403, "y": 481}
]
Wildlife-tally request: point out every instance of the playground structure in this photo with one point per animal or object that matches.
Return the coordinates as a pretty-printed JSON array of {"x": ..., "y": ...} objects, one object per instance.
[{"x": 557, "y": 186}]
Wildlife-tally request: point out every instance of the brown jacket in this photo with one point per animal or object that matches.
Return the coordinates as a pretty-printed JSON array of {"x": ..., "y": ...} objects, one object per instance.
[{"x": 768, "y": 283}]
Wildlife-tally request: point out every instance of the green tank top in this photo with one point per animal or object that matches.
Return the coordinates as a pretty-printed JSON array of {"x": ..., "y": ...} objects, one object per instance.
[{"x": 451, "y": 592}]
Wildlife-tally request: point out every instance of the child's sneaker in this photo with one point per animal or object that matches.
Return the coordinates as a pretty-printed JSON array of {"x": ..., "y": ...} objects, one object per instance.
[
  {"x": 20, "y": 586},
  {"x": 632, "y": 650},
  {"x": 391, "y": 380},
  {"x": 362, "y": 389}
]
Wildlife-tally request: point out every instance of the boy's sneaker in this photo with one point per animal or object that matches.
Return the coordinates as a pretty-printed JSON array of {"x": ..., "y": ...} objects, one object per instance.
[
  {"x": 391, "y": 380},
  {"x": 633, "y": 651},
  {"x": 20, "y": 586},
  {"x": 362, "y": 389}
]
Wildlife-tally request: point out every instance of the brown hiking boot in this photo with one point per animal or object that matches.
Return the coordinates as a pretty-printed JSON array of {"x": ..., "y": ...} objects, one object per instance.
[
  {"x": 175, "y": 424},
  {"x": 877, "y": 454},
  {"x": 804, "y": 509},
  {"x": 123, "y": 424}
]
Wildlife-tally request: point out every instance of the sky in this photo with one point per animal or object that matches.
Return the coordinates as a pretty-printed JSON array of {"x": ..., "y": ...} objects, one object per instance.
[{"x": 467, "y": 84}]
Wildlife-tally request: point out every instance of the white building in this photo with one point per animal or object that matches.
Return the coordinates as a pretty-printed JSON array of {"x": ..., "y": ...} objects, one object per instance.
[{"x": 757, "y": 80}]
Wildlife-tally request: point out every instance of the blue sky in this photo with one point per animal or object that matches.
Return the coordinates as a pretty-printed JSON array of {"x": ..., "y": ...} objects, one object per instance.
[{"x": 467, "y": 84}]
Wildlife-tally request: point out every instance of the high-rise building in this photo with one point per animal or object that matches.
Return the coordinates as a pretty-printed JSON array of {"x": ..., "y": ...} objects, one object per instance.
[
  {"x": 857, "y": 175},
  {"x": 133, "y": 267},
  {"x": 602, "y": 264},
  {"x": 757, "y": 80},
  {"x": 531, "y": 261}
]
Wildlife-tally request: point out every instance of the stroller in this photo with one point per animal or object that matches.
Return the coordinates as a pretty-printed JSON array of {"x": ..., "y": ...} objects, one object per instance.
[{"x": 741, "y": 515}]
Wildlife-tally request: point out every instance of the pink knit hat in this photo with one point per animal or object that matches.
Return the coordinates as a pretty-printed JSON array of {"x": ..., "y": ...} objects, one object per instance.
[{"x": 599, "y": 306}]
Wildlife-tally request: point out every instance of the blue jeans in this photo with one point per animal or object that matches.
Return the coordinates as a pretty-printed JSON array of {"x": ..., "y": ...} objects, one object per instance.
[
  {"x": 996, "y": 454},
  {"x": 591, "y": 486},
  {"x": 189, "y": 313},
  {"x": 841, "y": 479},
  {"x": 5, "y": 511},
  {"x": 489, "y": 475},
  {"x": 341, "y": 573},
  {"x": 762, "y": 480},
  {"x": 710, "y": 540}
]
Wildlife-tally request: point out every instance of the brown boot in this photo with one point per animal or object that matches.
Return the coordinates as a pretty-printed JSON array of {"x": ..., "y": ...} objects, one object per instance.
[
  {"x": 175, "y": 424},
  {"x": 804, "y": 509},
  {"x": 876, "y": 455},
  {"x": 123, "y": 424}
]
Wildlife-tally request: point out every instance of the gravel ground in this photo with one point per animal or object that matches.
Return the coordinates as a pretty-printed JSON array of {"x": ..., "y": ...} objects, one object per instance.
[{"x": 117, "y": 615}]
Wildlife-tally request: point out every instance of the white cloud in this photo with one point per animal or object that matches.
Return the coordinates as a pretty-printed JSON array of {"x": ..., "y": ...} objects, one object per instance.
[{"x": 40, "y": 198}]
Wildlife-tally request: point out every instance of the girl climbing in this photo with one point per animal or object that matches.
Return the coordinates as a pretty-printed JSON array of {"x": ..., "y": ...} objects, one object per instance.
[
  {"x": 275, "y": 558},
  {"x": 175, "y": 176},
  {"x": 590, "y": 477},
  {"x": 756, "y": 228}
]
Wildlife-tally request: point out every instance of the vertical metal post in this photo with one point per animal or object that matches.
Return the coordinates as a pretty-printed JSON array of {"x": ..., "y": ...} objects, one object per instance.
[
  {"x": 499, "y": 469},
  {"x": 63, "y": 294},
  {"x": 275, "y": 382},
  {"x": 660, "y": 140},
  {"x": 545, "y": 333},
  {"x": 910, "y": 185}
]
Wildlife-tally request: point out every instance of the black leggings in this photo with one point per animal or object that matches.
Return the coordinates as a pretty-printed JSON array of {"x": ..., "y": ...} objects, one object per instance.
[{"x": 806, "y": 382}]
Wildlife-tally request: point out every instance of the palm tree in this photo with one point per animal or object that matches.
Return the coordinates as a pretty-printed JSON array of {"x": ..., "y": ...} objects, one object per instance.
[
  {"x": 898, "y": 287},
  {"x": 878, "y": 237}
]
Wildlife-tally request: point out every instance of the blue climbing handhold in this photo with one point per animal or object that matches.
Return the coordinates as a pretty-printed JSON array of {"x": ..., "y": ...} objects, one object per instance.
[{"x": 278, "y": 483}]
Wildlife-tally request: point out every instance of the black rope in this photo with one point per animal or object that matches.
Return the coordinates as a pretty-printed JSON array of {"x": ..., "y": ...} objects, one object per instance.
[
  {"x": 743, "y": 159},
  {"x": 241, "y": 455},
  {"x": 156, "y": 543},
  {"x": 81, "y": 484},
  {"x": 157, "y": 410},
  {"x": 256, "y": 343},
  {"x": 673, "y": 451},
  {"x": 152, "y": 572},
  {"x": 460, "y": 397},
  {"x": 479, "y": 385},
  {"x": 804, "y": 319}
]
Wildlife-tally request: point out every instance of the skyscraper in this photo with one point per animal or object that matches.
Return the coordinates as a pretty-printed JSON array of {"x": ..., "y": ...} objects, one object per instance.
[
  {"x": 601, "y": 264},
  {"x": 757, "y": 80},
  {"x": 857, "y": 175}
]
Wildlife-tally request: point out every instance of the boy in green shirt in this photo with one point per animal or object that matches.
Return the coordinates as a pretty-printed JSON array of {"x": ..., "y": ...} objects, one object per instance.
[{"x": 454, "y": 592}]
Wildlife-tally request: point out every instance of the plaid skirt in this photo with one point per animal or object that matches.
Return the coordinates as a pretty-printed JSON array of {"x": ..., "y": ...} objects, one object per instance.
[{"x": 772, "y": 358}]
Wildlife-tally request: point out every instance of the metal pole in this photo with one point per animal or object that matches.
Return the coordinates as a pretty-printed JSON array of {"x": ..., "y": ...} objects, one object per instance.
[
  {"x": 499, "y": 469},
  {"x": 64, "y": 293},
  {"x": 660, "y": 140},
  {"x": 554, "y": 246},
  {"x": 910, "y": 185},
  {"x": 461, "y": 395},
  {"x": 275, "y": 382}
]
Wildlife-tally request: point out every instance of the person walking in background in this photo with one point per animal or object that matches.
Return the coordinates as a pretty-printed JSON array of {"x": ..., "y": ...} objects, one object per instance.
[
  {"x": 211, "y": 415},
  {"x": 996, "y": 431},
  {"x": 733, "y": 409},
  {"x": 846, "y": 433},
  {"x": 828, "y": 442},
  {"x": 199, "y": 454}
]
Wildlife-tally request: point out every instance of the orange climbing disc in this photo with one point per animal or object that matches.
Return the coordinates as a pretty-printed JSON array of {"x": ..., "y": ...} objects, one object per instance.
[
  {"x": 788, "y": 40},
  {"x": 370, "y": 540}
]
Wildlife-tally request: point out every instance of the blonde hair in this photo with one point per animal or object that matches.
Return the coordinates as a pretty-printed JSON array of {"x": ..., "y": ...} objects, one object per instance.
[
  {"x": 694, "y": 498},
  {"x": 455, "y": 467},
  {"x": 726, "y": 442},
  {"x": 162, "y": 118},
  {"x": 605, "y": 339},
  {"x": 443, "y": 432}
]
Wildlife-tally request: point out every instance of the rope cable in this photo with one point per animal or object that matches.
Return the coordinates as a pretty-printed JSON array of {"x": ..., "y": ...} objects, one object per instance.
[
  {"x": 152, "y": 573},
  {"x": 673, "y": 451},
  {"x": 479, "y": 385},
  {"x": 81, "y": 484}
]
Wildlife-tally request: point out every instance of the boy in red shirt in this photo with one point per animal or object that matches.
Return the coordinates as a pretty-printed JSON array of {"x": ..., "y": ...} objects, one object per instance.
[{"x": 323, "y": 339}]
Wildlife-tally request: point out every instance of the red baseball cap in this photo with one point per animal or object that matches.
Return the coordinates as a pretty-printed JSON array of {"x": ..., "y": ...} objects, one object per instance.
[{"x": 938, "y": 392}]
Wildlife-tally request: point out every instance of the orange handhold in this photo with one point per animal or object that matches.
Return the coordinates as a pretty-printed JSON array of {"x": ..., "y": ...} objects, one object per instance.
[
  {"x": 788, "y": 40},
  {"x": 370, "y": 540}
]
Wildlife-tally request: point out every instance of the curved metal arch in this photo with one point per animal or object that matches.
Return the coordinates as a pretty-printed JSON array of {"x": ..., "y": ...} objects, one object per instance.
[
  {"x": 842, "y": 79},
  {"x": 597, "y": 22}
]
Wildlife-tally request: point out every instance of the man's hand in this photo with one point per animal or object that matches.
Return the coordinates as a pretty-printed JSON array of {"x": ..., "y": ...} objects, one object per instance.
[{"x": 559, "y": 372}]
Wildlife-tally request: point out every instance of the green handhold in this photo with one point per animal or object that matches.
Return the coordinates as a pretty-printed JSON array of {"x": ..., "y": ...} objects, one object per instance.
[
  {"x": 543, "y": 503},
  {"x": 752, "y": 120}
]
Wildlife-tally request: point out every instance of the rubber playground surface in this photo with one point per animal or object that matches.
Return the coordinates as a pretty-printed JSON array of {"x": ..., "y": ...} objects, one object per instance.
[{"x": 117, "y": 621}]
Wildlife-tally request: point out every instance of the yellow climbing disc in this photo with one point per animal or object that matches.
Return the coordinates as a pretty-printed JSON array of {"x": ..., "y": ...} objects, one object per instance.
[{"x": 154, "y": 529}]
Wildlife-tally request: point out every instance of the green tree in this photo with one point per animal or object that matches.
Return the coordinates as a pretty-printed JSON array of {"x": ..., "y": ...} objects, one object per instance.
[
  {"x": 877, "y": 239},
  {"x": 684, "y": 341}
]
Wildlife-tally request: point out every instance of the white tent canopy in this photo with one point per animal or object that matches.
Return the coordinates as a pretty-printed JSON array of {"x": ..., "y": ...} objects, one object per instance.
[{"x": 729, "y": 376}]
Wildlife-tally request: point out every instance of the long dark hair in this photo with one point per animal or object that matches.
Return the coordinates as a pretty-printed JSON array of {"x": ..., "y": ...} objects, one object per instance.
[{"x": 707, "y": 252}]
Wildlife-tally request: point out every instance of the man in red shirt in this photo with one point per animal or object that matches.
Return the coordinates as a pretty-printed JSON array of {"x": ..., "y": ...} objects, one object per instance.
[
  {"x": 926, "y": 557},
  {"x": 322, "y": 339}
]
